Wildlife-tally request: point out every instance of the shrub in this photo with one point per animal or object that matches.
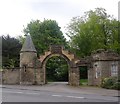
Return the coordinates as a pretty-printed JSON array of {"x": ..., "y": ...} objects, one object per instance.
[
  {"x": 111, "y": 83},
  {"x": 116, "y": 86}
]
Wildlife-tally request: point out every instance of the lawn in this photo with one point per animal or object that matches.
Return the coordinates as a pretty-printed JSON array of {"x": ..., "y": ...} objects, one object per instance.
[{"x": 83, "y": 81}]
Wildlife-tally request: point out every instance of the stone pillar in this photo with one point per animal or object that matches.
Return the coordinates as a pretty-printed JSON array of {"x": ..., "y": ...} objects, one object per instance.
[
  {"x": 90, "y": 77},
  {"x": 74, "y": 76}
]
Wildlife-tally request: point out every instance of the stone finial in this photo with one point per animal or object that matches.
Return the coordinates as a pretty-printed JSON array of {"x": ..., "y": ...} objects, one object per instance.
[{"x": 28, "y": 45}]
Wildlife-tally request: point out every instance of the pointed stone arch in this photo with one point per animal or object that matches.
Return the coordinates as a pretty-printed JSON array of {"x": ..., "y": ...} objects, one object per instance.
[{"x": 73, "y": 69}]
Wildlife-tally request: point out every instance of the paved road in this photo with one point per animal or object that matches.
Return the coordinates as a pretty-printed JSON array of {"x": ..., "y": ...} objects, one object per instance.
[{"x": 42, "y": 95}]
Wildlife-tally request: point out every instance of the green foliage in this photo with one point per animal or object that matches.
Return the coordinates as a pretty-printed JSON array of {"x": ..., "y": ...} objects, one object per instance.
[
  {"x": 83, "y": 81},
  {"x": 21, "y": 39},
  {"x": 83, "y": 72},
  {"x": 95, "y": 30},
  {"x": 57, "y": 69},
  {"x": 44, "y": 34},
  {"x": 111, "y": 83},
  {"x": 10, "y": 51},
  {"x": 116, "y": 86}
]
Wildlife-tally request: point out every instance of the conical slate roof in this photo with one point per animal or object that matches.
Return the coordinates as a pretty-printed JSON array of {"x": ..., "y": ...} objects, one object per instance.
[{"x": 28, "y": 45}]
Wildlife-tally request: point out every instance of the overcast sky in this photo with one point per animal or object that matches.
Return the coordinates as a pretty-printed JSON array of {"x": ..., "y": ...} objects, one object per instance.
[{"x": 14, "y": 14}]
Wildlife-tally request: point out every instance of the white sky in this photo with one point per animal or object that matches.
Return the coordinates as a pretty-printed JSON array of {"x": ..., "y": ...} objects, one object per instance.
[{"x": 14, "y": 14}]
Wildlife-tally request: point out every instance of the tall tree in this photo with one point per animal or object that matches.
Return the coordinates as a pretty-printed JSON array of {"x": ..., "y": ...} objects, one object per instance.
[
  {"x": 95, "y": 30},
  {"x": 44, "y": 34},
  {"x": 57, "y": 69},
  {"x": 21, "y": 39},
  {"x": 10, "y": 51}
]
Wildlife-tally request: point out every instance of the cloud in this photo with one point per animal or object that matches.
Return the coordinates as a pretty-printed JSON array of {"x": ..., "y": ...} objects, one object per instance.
[
  {"x": 119, "y": 11},
  {"x": 16, "y": 13}
]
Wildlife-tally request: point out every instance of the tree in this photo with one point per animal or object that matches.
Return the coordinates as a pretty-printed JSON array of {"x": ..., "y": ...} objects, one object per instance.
[
  {"x": 57, "y": 69},
  {"x": 95, "y": 30},
  {"x": 44, "y": 34},
  {"x": 10, "y": 51},
  {"x": 21, "y": 39}
]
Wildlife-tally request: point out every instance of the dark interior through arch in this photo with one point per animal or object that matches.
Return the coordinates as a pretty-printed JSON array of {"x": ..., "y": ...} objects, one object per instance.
[
  {"x": 83, "y": 75},
  {"x": 57, "y": 69}
]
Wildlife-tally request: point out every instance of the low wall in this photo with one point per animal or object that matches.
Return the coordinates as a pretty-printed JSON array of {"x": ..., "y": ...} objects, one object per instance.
[{"x": 10, "y": 76}]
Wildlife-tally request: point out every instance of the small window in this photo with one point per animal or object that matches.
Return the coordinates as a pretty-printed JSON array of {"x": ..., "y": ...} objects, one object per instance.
[
  {"x": 95, "y": 65},
  {"x": 114, "y": 70},
  {"x": 24, "y": 68}
]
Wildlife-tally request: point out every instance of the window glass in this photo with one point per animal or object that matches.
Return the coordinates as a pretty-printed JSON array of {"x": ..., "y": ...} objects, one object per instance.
[{"x": 114, "y": 70}]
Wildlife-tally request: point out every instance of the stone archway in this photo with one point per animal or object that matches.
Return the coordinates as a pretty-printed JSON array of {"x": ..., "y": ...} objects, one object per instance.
[
  {"x": 57, "y": 50},
  {"x": 43, "y": 65}
]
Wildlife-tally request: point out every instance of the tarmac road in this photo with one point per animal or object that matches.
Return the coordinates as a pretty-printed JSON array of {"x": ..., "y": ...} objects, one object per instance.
[{"x": 33, "y": 94}]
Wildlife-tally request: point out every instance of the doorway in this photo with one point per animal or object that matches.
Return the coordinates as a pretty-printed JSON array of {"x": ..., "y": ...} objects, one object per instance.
[{"x": 83, "y": 75}]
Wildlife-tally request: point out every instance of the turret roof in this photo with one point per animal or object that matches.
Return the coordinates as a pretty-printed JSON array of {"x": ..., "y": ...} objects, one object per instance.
[{"x": 28, "y": 45}]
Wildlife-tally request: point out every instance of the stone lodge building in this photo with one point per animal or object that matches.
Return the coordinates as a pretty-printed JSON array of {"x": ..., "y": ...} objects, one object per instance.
[
  {"x": 103, "y": 64},
  {"x": 100, "y": 64}
]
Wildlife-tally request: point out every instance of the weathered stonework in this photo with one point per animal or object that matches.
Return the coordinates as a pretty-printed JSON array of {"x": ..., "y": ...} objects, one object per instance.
[
  {"x": 28, "y": 59},
  {"x": 32, "y": 69},
  {"x": 69, "y": 57},
  {"x": 10, "y": 76},
  {"x": 102, "y": 62},
  {"x": 27, "y": 67}
]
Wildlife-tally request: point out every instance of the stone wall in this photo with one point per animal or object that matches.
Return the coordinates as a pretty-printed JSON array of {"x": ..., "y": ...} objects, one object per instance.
[
  {"x": 90, "y": 77},
  {"x": 102, "y": 62},
  {"x": 10, "y": 76},
  {"x": 28, "y": 66},
  {"x": 28, "y": 58},
  {"x": 74, "y": 78},
  {"x": 27, "y": 77}
]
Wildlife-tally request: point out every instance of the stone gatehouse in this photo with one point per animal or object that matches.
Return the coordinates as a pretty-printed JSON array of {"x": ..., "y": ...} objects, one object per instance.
[
  {"x": 100, "y": 64},
  {"x": 33, "y": 69}
]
